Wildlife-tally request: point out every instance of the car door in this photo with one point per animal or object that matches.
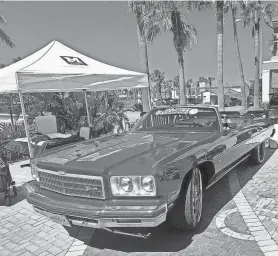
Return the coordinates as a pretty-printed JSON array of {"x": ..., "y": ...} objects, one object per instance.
[
  {"x": 237, "y": 143},
  {"x": 261, "y": 128}
]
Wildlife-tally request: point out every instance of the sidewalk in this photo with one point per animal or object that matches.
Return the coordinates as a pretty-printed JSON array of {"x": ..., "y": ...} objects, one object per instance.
[
  {"x": 258, "y": 200},
  {"x": 24, "y": 232}
]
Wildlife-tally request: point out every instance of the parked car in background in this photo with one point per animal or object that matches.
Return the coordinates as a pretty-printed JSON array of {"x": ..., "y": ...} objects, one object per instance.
[
  {"x": 251, "y": 115},
  {"x": 273, "y": 106},
  {"x": 156, "y": 172}
]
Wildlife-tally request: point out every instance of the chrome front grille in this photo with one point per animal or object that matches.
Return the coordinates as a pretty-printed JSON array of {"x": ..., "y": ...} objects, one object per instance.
[{"x": 72, "y": 184}]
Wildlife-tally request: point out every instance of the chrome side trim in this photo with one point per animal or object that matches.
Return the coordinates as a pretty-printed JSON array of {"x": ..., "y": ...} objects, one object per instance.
[
  {"x": 228, "y": 170},
  {"x": 233, "y": 148}
]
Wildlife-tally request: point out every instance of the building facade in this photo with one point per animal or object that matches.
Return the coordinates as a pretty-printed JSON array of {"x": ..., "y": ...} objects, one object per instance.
[{"x": 270, "y": 68}]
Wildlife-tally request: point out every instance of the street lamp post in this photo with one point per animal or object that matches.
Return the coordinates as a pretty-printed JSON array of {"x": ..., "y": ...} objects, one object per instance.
[{"x": 261, "y": 52}]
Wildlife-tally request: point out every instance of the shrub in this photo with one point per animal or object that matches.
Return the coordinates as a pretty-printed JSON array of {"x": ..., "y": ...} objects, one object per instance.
[{"x": 7, "y": 131}]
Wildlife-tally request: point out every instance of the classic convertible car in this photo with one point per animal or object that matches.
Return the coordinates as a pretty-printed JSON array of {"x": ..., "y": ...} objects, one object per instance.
[{"x": 154, "y": 173}]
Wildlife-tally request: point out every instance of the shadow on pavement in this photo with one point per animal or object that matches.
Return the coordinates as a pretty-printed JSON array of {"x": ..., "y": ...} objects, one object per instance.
[
  {"x": 246, "y": 171},
  {"x": 165, "y": 239},
  {"x": 14, "y": 199}
]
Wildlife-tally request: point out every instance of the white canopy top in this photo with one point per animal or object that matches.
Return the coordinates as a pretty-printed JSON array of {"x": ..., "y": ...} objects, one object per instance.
[{"x": 57, "y": 67}]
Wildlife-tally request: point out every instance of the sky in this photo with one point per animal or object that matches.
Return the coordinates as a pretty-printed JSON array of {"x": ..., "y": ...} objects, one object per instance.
[{"x": 105, "y": 31}]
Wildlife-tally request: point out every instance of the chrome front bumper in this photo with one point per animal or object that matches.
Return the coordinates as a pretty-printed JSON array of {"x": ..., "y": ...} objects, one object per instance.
[
  {"x": 76, "y": 213},
  {"x": 110, "y": 222}
]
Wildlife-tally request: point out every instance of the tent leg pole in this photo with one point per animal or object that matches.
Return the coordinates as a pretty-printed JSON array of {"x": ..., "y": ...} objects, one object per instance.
[
  {"x": 25, "y": 123},
  {"x": 87, "y": 109}
]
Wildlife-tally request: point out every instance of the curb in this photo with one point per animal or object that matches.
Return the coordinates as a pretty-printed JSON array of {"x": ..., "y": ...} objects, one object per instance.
[{"x": 262, "y": 237}]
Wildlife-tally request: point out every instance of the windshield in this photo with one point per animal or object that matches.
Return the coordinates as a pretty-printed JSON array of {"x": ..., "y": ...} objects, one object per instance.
[
  {"x": 257, "y": 114},
  {"x": 179, "y": 119}
]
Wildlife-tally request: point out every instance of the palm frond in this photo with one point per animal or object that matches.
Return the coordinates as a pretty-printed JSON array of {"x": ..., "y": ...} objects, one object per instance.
[
  {"x": 2, "y": 19},
  {"x": 253, "y": 10},
  {"x": 226, "y": 8},
  {"x": 190, "y": 6},
  {"x": 6, "y": 39},
  {"x": 272, "y": 46},
  {"x": 152, "y": 32},
  {"x": 192, "y": 35},
  {"x": 268, "y": 11},
  {"x": 167, "y": 23}
]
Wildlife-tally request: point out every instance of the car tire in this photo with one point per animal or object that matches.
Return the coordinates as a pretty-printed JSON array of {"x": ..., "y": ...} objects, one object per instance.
[
  {"x": 258, "y": 154},
  {"x": 187, "y": 211}
]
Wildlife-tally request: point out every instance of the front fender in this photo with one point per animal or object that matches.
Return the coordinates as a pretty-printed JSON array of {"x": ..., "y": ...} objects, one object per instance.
[{"x": 171, "y": 175}]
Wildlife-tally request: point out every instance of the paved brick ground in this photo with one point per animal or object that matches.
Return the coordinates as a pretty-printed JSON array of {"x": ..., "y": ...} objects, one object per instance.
[
  {"x": 261, "y": 191},
  {"x": 24, "y": 232}
]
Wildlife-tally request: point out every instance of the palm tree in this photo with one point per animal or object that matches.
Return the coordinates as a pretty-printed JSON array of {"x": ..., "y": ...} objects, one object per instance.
[
  {"x": 234, "y": 5},
  {"x": 176, "y": 84},
  {"x": 158, "y": 78},
  {"x": 252, "y": 14},
  {"x": 167, "y": 16},
  {"x": 188, "y": 85},
  {"x": 144, "y": 35},
  {"x": 7, "y": 40},
  {"x": 168, "y": 86},
  {"x": 202, "y": 80},
  {"x": 220, "y": 31},
  {"x": 210, "y": 79},
  {"x": 272, "y": 45},
  {"x": 4, "y": 37}
]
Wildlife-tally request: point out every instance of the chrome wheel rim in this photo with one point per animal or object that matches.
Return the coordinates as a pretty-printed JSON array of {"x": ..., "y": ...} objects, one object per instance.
[
  {"x": 197, "y": 197},
  {"x": 261, "y": 151}
]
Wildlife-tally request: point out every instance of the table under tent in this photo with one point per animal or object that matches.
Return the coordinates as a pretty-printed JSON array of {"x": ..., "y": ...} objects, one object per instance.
[{"x": 58, "y": 68}]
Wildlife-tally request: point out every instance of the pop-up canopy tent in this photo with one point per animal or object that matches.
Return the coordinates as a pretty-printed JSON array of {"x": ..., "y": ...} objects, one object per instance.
[{"x": 58, "y": 68}]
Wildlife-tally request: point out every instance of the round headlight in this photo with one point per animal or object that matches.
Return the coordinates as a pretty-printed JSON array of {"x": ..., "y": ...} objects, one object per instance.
[
  {"x": 126, "y": 184},
  {"x": 148, "y": 183}
]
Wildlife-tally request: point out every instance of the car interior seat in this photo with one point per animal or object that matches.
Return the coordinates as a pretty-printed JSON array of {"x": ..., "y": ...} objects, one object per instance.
[{"x": 235, "y": 121}]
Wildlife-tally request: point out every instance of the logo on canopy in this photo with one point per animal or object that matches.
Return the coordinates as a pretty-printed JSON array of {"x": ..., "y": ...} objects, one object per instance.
[{"x": 73, "y": 60}]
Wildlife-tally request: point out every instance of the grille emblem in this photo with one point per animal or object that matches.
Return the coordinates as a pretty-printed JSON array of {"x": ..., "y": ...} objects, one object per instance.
[
  {"x": 89, "y": 188},
  {"x": 61, "y": 173}
]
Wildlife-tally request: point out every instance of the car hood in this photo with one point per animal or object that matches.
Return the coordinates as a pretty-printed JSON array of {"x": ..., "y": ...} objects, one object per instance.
[{"x": 133, "y": 148}]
